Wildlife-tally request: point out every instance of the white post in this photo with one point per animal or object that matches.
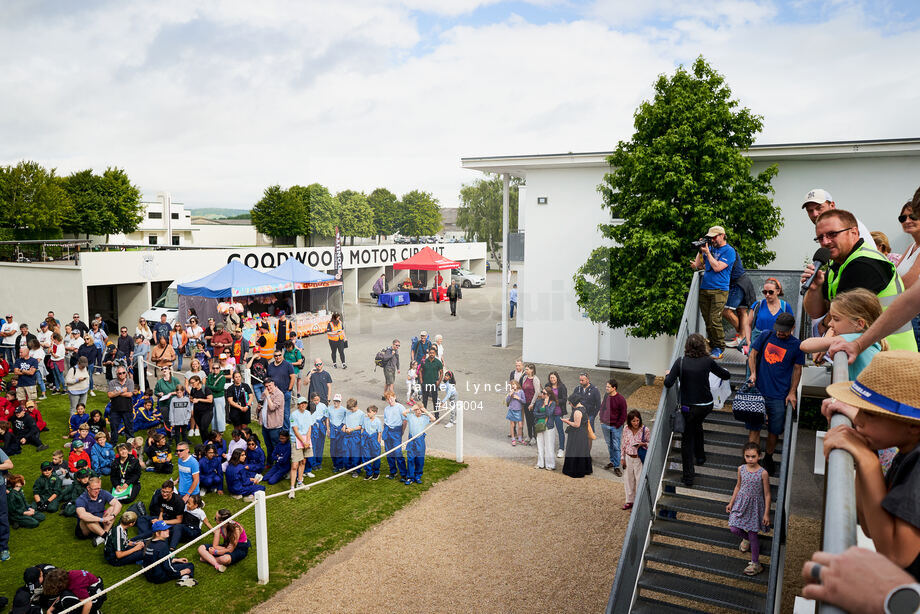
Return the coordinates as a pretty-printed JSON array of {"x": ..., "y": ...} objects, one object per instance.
[
  {"x": 458, "y": 413},
  {"x": 261, "y": 537},
  {"x": 506, "y": 220},
  {"x": 141, "y": 373}
]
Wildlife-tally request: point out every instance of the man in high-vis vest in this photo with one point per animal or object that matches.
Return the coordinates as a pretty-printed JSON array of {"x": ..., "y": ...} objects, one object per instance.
[{"x": 853, "y": 265}]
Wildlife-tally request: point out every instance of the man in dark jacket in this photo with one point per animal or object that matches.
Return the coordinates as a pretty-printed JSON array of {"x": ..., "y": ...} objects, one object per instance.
[
  {"x": 591, "y": 397},
  {"x": 454, "y": 293}
]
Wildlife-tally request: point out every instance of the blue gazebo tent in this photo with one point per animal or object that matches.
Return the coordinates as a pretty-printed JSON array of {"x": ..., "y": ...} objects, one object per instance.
[
  {"x": 309, "y": 279},
  {"x": 234, "y": 279}
]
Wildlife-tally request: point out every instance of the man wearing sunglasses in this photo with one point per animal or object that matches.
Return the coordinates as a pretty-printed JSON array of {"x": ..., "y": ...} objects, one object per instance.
[
  {"x": 853, "y": 265},
  {"x": 817, "y": 201}
]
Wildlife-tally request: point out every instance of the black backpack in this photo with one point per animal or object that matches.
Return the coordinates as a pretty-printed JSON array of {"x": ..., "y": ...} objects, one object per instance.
[{"x": 381, "y": 358}]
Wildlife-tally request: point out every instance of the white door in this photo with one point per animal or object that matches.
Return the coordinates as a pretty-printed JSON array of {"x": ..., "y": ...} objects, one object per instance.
[{"x": 612, "y": 347}]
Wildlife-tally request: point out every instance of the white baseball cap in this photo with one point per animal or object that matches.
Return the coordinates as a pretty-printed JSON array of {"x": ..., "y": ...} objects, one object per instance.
[
  {"x": 817, "y": 195},
  {"x": 337, "y": 397}
]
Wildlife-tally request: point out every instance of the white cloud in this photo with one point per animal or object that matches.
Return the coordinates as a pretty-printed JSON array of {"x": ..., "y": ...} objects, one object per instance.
[{"x": 214, "y": 101}]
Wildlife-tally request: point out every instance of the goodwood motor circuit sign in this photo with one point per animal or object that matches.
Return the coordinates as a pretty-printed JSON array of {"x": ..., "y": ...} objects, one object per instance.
[{"x": 324, "y": 257}]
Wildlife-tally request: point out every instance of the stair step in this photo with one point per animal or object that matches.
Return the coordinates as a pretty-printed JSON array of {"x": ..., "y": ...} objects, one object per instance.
[
  {"x": 724, "y": 418},
  {"x": 693, "y": 589},
  {"x": 729, "y": 439},
  {"x": 708, "y": 562},
  {"x": 706, "y": 483},
  {"x": 704, "y": 534},
  {"x": 644, "y": 605},
  {"x": 693, "y": 505},
  {"x": 727, "y": 462}
]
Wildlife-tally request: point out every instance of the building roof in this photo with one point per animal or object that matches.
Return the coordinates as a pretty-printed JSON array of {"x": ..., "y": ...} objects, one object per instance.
[{"x": 518, "y": 165}]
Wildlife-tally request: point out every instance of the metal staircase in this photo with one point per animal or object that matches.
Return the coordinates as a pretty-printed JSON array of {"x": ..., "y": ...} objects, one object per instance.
[{"x": 678, "y": 554}]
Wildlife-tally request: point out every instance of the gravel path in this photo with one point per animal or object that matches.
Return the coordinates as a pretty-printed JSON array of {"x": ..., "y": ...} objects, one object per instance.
[{"x": 497, "y": 537}]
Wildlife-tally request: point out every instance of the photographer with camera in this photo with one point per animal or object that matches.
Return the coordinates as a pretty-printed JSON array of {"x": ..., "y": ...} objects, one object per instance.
[{"x": 716, "y": 258}]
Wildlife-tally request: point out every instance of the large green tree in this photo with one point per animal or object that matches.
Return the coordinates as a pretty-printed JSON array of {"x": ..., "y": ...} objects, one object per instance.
[
  {"x": 278, "y": 214},
  {"x": 682, "y": 171},
  {"x": 324, "y": 211},
  {"x": 356, "y": 217},
  {"x": 32, "y": 202},
  {"x": 386, "y": 211},
  {"x": 295, "y": 203},
  {"x": 102, "y": 204},
  {"x": 420, "y": 214},
  {"x": 480, "y": 213},
  {"x": 122, "y": 202}
]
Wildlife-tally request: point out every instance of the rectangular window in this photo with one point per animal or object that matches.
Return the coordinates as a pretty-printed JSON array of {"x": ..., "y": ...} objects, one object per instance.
[
  {"x": 155, "y": 215},
  {"x": 152, "y": 240},
  {"x": 175, "y": 240},
  {"x": 174, "y": 216}
]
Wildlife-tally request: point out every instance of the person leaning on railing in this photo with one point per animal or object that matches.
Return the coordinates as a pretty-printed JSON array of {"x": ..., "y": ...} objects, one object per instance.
[{"x": 884, "y": 405}]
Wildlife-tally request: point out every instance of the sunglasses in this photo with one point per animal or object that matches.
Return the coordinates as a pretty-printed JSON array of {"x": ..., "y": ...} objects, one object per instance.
[
  {"x": 831, "y": 234},
  {"x": 903, "y": 218},
  {"x": 769, "y": 292}
]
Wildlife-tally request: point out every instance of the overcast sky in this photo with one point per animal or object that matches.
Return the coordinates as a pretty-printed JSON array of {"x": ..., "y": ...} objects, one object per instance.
[{"x": 214, "y": 101}]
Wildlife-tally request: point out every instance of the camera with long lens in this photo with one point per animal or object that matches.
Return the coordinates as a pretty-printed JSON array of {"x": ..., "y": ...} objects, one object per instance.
[{"x": 699, "y": 243}]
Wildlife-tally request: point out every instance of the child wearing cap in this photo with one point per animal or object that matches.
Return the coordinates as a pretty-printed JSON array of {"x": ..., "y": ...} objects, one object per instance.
[
  {"x": 351, "y": 429},
  {"x": 46, "y": 490},
  {"x": 70, "y": 494},
  {"x": 418, "y": 417},
  {"x": 884, "y": 405},
  {"x": 336, "y": 437},
  {"x": 178, "y": 569},
  {"x": 21, "y": 514},
  {"x": 25, "y": 429},
  {"x": 77, "y": 453}
]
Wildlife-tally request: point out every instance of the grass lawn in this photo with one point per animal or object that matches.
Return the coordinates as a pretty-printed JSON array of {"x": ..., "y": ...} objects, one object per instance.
[{"x": 301, "y": 532}]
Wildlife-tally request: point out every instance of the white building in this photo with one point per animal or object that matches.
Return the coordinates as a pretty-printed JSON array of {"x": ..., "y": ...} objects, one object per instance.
[{"x": 561, "y": 209}]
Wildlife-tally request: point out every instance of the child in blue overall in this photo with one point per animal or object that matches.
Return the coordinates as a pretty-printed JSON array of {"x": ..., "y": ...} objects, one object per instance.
[
  {"x": 240, "y": 481},
  {"x": 351, "y": 430},
  {"x": 171, "y": 569},
  {"x": 418, "y": 417},
  {"x": 281, "y": 459},
  {"x": 211, "y": 471},
  {"x": 372, "y": 437},
  {"x": 318, "y": 431},
  {"x": 255, "y": 456},
  {"x": 394, "y": 425},
  {"x": 336, "y": 437}
]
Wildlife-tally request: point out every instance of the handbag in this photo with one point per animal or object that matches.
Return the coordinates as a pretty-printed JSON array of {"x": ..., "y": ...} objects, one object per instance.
[
  {"x": 591, "y": 434},
  {"x": 345, "y": 344},
  {"x": 642, "y": 450},
  {"x": 539, "y": 426},
  {"x": 748, "y": 405}
]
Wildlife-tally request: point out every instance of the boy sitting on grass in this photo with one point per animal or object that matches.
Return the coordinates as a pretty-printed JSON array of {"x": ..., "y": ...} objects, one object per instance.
[
  {"x": 46, "y": 490},
  {"x": 884, "y": 405}
]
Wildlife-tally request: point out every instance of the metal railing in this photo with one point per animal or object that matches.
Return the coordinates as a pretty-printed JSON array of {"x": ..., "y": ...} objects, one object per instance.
[
  {"x": 781, "y": 512},
  {"x": 623, "y": 593},
  {"x": 840, "y": 489}
]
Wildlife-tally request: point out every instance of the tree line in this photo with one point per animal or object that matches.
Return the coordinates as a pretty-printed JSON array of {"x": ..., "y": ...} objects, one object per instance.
[
  {"x": 35, "y": 203},
  {"x": 313, "y": 211}
]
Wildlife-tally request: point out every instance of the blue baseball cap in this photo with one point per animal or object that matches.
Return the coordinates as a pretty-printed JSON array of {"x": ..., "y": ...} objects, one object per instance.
[{"x": 160, "y": 525}]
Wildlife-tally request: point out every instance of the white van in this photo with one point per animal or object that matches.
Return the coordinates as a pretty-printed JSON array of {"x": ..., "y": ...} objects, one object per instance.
[{"x": 168, "y": 303}]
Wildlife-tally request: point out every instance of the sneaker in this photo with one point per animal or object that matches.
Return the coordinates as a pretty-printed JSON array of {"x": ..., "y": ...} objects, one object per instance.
[
  {"x": 418, "y": 481},
  {"x": 4, "y": 555},
  {"x": 298, "y": 484},
  {"x": 249, "y": 498},
  {"x": 608, "y": 466},
  {"x": 310, "y": 474},
  {"x": 355, "y": 474},
  {"x": 618, "y": 472},
  {"x": 41, "y": 447},
  {"x": 717, "y": 353},
  {"x": 344, "y": 366},
  {"x": 408, "y": 482},
  {"x": 449, "y": 425},
  {"x": 237, "y": 497},
  {"x": 187, "y": 581},
  {"x": 537, "y": 467},
  {"x": 149, "y": 469},
  {"x": 560, "y": 453},
  {"x": 514, "y": 442},
  {"x": 753, "y": 569},
  {"x": 221, "y": 568},
  {"x": 92, "y": 393},
  {"x": 733, "y": 343},
  {"x": 335, "y": 365},
  {"x": 98, "y": 541},
  {"x": 367, "y": 477},
  {"x": 745, "y": 546},
  {"x": 391, "y": 476},
  {"x": 291, "y": 495},
  {"x": 376, "y": 477},
  {"x": 43, "y": 397}
]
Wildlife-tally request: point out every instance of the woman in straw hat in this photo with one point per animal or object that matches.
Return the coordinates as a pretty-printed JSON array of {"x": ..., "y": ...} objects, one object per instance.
[{"x": 884, "y": 404}]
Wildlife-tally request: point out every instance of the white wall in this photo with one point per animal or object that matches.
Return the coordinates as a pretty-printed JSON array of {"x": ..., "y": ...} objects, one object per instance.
[
  {"x": 212, "y": 235},
  {"x": 874, "y": 189},
  {"x": 30, "y": 291},
  {"x": 559, "y": 236}
]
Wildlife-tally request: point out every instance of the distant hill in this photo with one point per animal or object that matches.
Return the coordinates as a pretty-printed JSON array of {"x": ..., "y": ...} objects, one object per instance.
[{"x": 217, "y": 213}]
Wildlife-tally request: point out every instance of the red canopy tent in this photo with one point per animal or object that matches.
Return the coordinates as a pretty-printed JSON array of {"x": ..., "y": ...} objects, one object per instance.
[{"x": 426, "y": 259}]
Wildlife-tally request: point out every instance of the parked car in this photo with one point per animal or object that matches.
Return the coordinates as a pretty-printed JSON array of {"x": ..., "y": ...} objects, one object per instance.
[{"x": 467, "y": 279}]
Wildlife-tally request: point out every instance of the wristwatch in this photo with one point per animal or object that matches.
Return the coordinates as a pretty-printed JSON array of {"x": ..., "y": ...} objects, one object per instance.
[{"x": 904, "y": 599}]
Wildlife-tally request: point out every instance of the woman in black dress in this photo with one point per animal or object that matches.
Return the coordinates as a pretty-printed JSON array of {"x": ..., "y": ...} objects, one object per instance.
[
  {"x": 693, "y": 370},
  {"x": 577, "y": 450}
]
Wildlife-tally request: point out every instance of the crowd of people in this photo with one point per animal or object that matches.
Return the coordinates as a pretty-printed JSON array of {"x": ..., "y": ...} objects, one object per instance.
[
  {"x": 864, "y": 301},
  {"x": 176, "y": 426}
]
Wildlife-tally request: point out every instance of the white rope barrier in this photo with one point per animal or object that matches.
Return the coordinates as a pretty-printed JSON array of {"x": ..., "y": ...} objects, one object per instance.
[{"x": 154, "y": 564}]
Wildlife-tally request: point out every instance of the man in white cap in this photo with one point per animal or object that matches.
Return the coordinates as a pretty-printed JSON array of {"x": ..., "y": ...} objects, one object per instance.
[
  {"x": 716, "y": 258},
  {"x": 819, "y": 200}
]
